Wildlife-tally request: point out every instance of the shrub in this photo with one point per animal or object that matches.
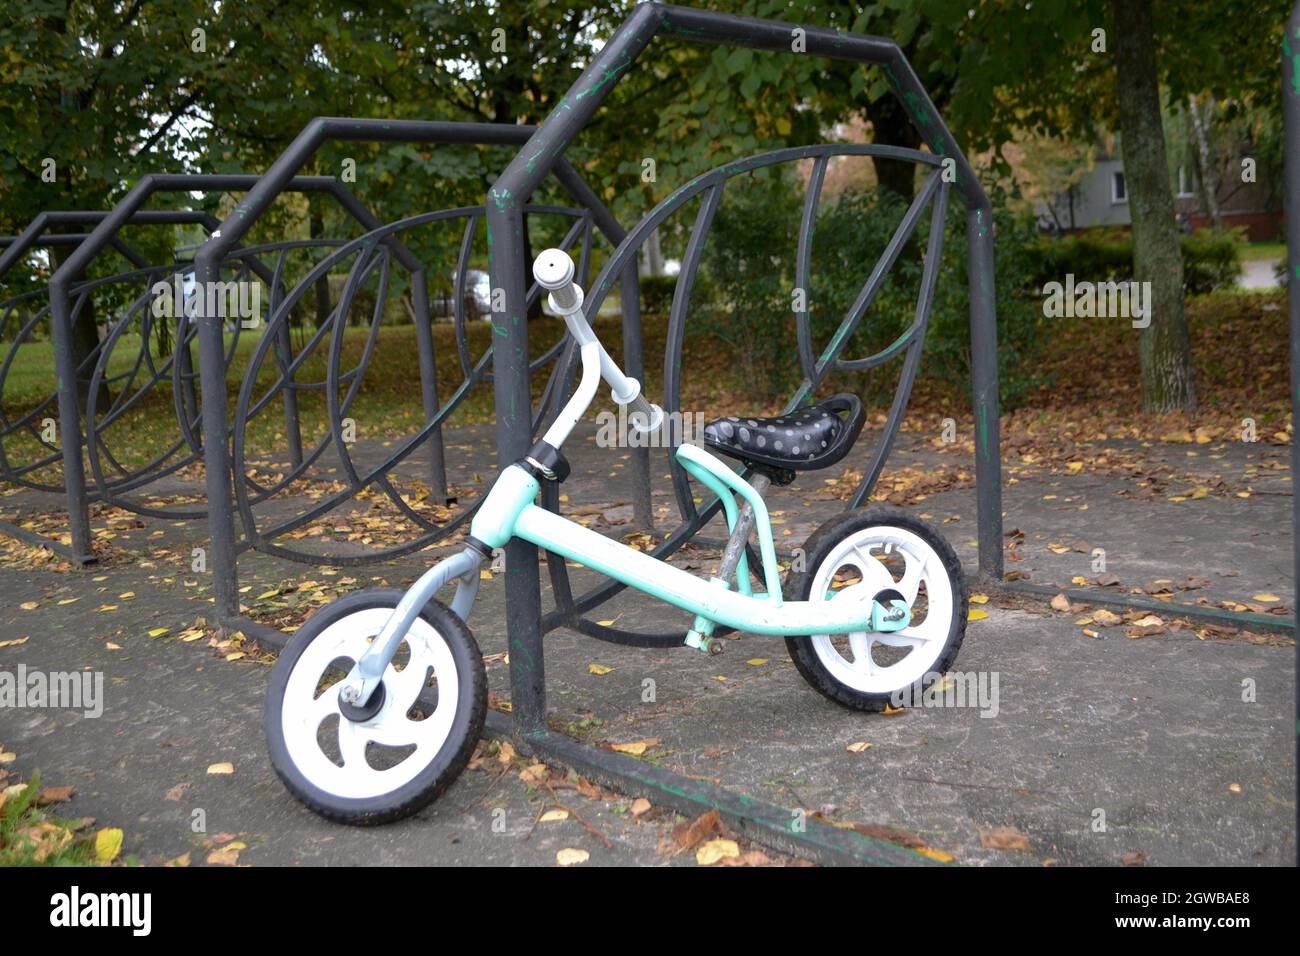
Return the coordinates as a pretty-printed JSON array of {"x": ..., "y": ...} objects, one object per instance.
[
  {"x": 1209, "y": 258},
  {"x": 657, "y": 294},
  {"x": 749, "y": 266}
]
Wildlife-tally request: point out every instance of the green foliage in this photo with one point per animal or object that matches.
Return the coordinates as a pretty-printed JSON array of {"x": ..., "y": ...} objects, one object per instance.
[
  {"x": 749, "y": 276},
  {"x": 31, "y": 836},
  {"x": 657, "y": 294},
  {"x": 743, "y": 300},
  {"x": 1209, "y": 258}
]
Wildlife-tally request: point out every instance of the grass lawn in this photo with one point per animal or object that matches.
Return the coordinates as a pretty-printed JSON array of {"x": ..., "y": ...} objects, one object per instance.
[
  {"x": 1089, "y": 366},
  {"x": 1262, "y": 251}
]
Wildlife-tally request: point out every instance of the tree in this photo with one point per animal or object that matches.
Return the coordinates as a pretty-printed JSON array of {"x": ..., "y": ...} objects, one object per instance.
[{"x": 1166, "y": 355}]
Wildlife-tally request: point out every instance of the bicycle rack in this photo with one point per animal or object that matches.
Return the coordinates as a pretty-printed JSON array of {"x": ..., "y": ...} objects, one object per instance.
[
  {"x": 525, "y": 623},
  {"x": 231, "y": 486},
  {"x": 38, "y": 235},
  {"x": 63, "y": 309}
]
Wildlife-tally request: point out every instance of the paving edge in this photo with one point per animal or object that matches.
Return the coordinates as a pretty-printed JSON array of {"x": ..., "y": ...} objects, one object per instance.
[{"x": 756, "y": 820}]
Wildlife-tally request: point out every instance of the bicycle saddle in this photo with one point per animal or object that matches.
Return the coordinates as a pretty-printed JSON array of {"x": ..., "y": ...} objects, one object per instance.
[{"x": 812, "y": 437}]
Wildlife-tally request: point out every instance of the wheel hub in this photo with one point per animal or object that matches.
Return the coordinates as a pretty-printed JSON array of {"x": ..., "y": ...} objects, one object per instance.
[{"x": 360, "y": 713}]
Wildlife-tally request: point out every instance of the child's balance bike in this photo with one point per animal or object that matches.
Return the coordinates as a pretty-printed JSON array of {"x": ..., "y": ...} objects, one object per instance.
[{"x": 376, "y": 703}]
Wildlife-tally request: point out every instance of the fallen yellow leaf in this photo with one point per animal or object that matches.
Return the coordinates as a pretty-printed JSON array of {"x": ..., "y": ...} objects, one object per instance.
[
  {"x": 220, "y": 768},
  {"x": 227, "y": 855},
  {"x": 571, "y": 857},
  {"x": 715, "y": 850},
  {"x": 636, "y": 747},
  {"x": 108, "y": 844},
  {"x": 858, "y": 747},
  {"x": 977, "y": 614},
  {"x": 553, "y": 816},
  {"x": 934, "y": 854},
  {"x": 598, "y": 669}
]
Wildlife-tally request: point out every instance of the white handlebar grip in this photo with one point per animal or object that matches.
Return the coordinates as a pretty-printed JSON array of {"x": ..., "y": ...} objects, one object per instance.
[{"x": 553, "y": 270}]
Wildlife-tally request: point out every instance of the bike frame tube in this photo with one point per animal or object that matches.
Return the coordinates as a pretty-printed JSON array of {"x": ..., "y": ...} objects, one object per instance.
[
  {"x": 509, "y": 512},
  {"x": 702, "y": 460},
  {"x": 757, "y": 614},
  {"x": 714, "y": 484}
]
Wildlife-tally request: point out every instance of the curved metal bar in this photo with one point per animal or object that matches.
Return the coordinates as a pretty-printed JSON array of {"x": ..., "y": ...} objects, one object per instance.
[{"x": 253, "y": 398}]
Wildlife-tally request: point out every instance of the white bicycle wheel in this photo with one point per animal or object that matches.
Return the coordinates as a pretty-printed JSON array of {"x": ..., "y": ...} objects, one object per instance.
[
  {"x": 384, "y": 762},
  {"x": 864, "y": 554}
]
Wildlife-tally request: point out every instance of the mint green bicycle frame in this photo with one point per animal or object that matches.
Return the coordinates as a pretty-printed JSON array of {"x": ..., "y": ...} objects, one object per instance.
[{"x": 510, "y": 510}]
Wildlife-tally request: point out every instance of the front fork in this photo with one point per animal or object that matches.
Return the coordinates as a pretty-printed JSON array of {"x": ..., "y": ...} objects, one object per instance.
[
  {"x": 363, "y": 680},
  {"x": 493, "y": 526}
]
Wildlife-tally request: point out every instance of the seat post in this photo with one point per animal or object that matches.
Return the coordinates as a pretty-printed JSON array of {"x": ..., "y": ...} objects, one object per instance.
[{"x": 740, "y": 535}]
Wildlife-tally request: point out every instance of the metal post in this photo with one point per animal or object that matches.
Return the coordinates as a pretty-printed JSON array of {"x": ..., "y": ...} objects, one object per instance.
[
  {"x": 634, "y": 365},
  {"x": 510, "y": 382},
  {"x": 984, "y": 389},
  {"x": 1291, "y": 121},
  {"x": 509, "y": 273},
  {"x": 216, "y": 446},
  {"x": 74, "y": 472}
]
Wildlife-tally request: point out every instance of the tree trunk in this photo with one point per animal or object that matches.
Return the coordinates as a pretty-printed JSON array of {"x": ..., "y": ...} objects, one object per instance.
[
  {"x": 1204, "y": 162},
  {"x": 317, "y": 230},
  {"x": 1166, "y": 358},
  {"x": 891, "y": 126}
]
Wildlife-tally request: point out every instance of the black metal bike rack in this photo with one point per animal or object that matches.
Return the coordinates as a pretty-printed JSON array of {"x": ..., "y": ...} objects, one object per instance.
[
  {"x": 509, "y": 272},
  {"x": 63, "y": 308},
  {"x": 230, "y": 494},
  {"x": 39, "y": 234}
]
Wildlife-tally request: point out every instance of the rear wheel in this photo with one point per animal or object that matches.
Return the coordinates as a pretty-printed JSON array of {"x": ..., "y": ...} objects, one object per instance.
[
  {"x": 864, "y": 553},
  {"x": 380, "y": 763}
]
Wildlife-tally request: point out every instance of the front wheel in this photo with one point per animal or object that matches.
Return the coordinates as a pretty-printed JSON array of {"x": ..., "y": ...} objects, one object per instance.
[
  {"x": 388, "y": 764},
  {"x": 866, "y": 552}
]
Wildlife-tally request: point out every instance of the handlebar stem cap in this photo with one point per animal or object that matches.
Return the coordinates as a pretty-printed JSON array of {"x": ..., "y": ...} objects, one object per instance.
[{"x": 553, "y": 269}]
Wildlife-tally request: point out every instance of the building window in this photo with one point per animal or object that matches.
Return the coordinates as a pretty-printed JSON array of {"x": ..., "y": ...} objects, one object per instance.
[
  {"x": 1184, "y": 184},
  {"x": 1118, "y": 188}
]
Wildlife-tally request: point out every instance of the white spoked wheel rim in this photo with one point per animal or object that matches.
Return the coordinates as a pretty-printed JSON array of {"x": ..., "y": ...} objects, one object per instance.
[
  {"x": 924, "y": 642},
  {"x": 304, "y": 709}
]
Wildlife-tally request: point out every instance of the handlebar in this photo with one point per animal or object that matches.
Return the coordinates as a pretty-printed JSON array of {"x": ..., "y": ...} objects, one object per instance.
[{"x": 554, "y": 271}]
